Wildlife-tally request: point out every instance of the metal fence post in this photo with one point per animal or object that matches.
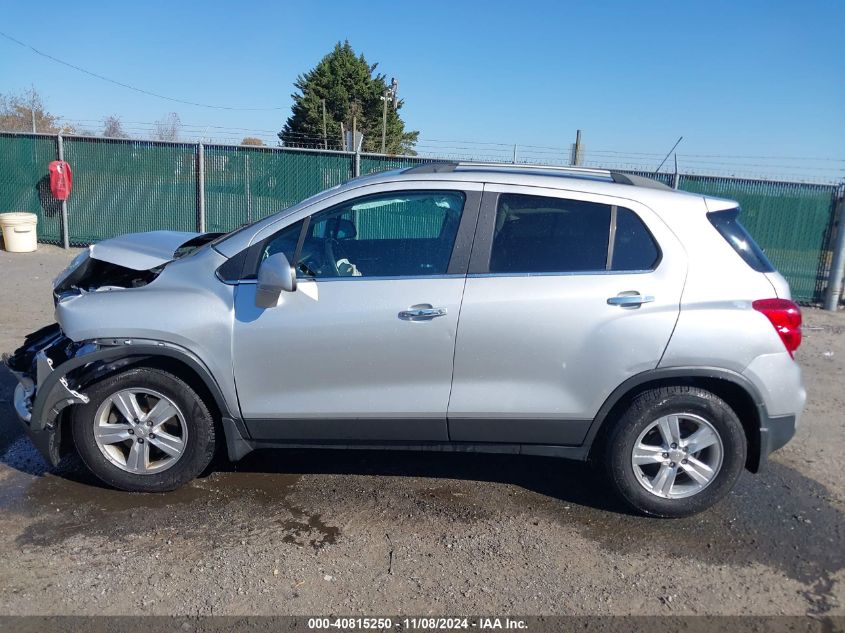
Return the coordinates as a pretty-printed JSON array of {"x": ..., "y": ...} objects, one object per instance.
[
  {"x": 247, "y": 190},
  {"x": 833, "y": 293},
  {"x": 65, "y": 231},
  {"x": 200, "y": 188},
  {"x": 356, "y": 165}
]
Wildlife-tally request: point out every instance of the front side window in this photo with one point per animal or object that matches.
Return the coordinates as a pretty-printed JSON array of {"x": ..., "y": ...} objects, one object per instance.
[{"x": 394, "y": 234}]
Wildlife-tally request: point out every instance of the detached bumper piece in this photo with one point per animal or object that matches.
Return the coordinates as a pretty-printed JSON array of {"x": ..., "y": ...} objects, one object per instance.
[{"x": 41, "y": 394}]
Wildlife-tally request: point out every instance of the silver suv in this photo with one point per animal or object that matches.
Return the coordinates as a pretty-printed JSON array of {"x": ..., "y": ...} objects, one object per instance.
[{"x": 575, "y": 313}]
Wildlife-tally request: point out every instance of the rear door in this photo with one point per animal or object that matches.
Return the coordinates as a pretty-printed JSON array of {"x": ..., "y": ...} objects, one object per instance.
[{"x": 568, "y": 294}]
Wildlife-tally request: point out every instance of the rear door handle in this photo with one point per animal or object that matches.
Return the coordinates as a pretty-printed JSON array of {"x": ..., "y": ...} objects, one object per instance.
[
  {"x": 422, "y": 312},
  {"x": 629, "y": 299}
]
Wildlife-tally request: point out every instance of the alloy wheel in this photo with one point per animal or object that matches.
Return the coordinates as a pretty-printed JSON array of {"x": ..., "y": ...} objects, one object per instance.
[
  {"x": 677, "y": 455},
  {"x": 140, "y": 431}
]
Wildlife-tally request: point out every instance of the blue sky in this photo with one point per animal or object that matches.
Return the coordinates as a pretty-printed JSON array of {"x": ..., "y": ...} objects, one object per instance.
[{"x": 758, "y": 79}]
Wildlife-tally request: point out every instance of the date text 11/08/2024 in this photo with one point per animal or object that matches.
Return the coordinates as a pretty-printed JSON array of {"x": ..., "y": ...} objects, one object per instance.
[{"x": 425, "y": 623}]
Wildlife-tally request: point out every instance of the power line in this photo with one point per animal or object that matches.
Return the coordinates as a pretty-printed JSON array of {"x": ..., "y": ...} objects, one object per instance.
[{"x": 128, "y": 86}]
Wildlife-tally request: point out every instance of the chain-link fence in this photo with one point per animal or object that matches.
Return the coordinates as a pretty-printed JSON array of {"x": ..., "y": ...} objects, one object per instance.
[{"x": 123, "y": 186}]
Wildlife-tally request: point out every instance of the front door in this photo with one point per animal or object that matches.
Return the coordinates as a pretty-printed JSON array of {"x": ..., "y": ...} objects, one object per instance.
[
  {"x": 567, "y": 295},
  {"x": 363, "y": 348}
]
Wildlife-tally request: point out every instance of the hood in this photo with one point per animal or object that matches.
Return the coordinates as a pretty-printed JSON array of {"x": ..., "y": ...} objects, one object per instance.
[
  {"x": 142, "y": 251},
  {"x": 128, "y": 261}
]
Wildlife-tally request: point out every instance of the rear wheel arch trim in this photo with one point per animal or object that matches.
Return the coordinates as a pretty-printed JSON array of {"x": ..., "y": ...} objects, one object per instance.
[{"x": 634, "y": 384}]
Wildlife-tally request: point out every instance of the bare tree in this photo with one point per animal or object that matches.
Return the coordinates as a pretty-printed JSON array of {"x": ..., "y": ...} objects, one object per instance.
[
  {"x": 113, "y": 128},
  {"x": 167, "y": 129},
  {"x": 25, "y": 113},
  {"x": 251, "y": 140}
]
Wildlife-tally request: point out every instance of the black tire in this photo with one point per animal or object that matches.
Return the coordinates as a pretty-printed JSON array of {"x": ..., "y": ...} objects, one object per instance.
[
  {"x": 642, "y": 412},
  {"x": 198, "y": 449}
]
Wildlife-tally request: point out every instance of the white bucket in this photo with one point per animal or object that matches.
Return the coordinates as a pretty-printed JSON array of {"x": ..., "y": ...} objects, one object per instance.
[{"x": 19, "y": 235}]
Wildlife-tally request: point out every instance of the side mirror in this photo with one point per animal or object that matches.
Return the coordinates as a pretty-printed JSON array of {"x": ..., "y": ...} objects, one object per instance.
[{"x": 275, "y": 274}]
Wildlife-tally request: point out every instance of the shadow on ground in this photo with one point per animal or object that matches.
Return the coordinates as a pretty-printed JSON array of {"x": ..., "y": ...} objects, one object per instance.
[{"x": 780, "y": 518}]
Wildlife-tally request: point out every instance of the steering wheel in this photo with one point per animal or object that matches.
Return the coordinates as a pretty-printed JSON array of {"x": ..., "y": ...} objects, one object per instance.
[{"x": 334, "y": 252}]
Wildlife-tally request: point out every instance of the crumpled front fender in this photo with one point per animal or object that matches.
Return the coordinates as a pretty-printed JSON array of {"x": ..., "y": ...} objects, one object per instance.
[{"x": 58, "y": 387}]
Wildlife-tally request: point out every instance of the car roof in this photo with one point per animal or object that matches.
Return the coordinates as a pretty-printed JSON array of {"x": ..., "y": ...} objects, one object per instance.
[{"x": 583, "y": 180}]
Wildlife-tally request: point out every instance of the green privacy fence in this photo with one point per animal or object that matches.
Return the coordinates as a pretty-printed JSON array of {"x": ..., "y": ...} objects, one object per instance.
[
  {"x": 791, "y": 221},
  {"x": 129, "y": 187},
  {"x": 24, "y": 185},
  {"x": 243, "y": 184},
  {"x": 123, "y": 186}
]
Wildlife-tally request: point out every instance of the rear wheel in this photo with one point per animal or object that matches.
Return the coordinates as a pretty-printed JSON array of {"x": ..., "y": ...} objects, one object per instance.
[
  {"x": 144, "y": 430},
  {"x": 675, "y": 451}
]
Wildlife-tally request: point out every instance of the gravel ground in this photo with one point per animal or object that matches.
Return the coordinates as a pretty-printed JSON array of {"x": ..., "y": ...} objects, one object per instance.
[{"x": 293, "y": 532}]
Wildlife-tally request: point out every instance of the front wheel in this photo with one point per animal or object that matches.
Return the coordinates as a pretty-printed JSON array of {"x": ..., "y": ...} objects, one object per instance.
[
  {"x": 144, "y": 430},
  {"x": 675, "y": 451}
]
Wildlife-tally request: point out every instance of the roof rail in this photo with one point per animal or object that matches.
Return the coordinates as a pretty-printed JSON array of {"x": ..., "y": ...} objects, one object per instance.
[
  {"x": 446, "y": 167},
  {"x": 531, "y": 166},
  {"x": 432, "y": 168},
  {"x": 615, "y": 176}
]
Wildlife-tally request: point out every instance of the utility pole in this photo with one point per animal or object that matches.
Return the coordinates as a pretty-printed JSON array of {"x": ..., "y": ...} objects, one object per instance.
[
  {"x": 390, "y": 93},
  {"x": 576, "y": 151},
  {"x": 325, "y": 136},
  {"x": 676, "y": 178}
]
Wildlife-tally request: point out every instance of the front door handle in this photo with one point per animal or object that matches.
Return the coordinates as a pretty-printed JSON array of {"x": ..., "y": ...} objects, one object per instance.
[
  {"x": 422, "y": 312},
  {"x": 630, "y": 299}
]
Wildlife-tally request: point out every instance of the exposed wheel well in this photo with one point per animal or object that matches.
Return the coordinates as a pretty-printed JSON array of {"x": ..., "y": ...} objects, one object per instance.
[
  {"x": 182, "y": 370},
  {"x": 732, "y": 393}
]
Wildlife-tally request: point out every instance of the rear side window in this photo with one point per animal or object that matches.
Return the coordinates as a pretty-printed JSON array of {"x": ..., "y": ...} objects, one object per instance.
[
  {"x": 539, "y": 234},
  {"x": 729, "y": 227},
  {"x": 633, "y": 247}
]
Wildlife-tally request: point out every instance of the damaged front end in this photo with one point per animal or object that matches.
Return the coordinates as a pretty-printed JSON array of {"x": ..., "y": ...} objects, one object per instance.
[
  {"x": 129, "y": 261},
  {"x": 42, "y": 393},
  {"x": 51, "y": 368}
]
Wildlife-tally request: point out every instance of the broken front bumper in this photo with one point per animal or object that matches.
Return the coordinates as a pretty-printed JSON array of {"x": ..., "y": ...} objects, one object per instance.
[{"x": 42, "y": 392}]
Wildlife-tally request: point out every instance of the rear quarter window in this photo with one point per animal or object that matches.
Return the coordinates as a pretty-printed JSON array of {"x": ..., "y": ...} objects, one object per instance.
[{"x": 729, "y": 227}]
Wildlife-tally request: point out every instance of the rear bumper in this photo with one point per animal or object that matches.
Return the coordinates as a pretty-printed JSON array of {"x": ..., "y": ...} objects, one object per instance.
[
  {"x": 775, "y": 433},
  {"x": 777, "y": 378}
]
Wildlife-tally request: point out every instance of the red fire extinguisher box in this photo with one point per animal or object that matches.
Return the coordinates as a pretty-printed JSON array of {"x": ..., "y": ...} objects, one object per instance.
[{"x": 61, "y": 179}]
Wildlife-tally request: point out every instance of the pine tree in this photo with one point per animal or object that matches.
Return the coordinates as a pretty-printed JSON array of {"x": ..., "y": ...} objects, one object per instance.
[{"x": 351, "y": 88}]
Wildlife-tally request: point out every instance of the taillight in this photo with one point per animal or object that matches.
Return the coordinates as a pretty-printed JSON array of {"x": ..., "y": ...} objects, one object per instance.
[{"x": 785, "y": 316}]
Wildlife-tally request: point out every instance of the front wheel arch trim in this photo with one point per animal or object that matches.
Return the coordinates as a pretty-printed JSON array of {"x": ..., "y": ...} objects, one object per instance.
[{"x": 49, "y": 403}]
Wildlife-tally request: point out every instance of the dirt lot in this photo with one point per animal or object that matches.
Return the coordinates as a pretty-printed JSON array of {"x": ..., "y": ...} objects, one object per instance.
[{"x": 289, "y": 532}]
